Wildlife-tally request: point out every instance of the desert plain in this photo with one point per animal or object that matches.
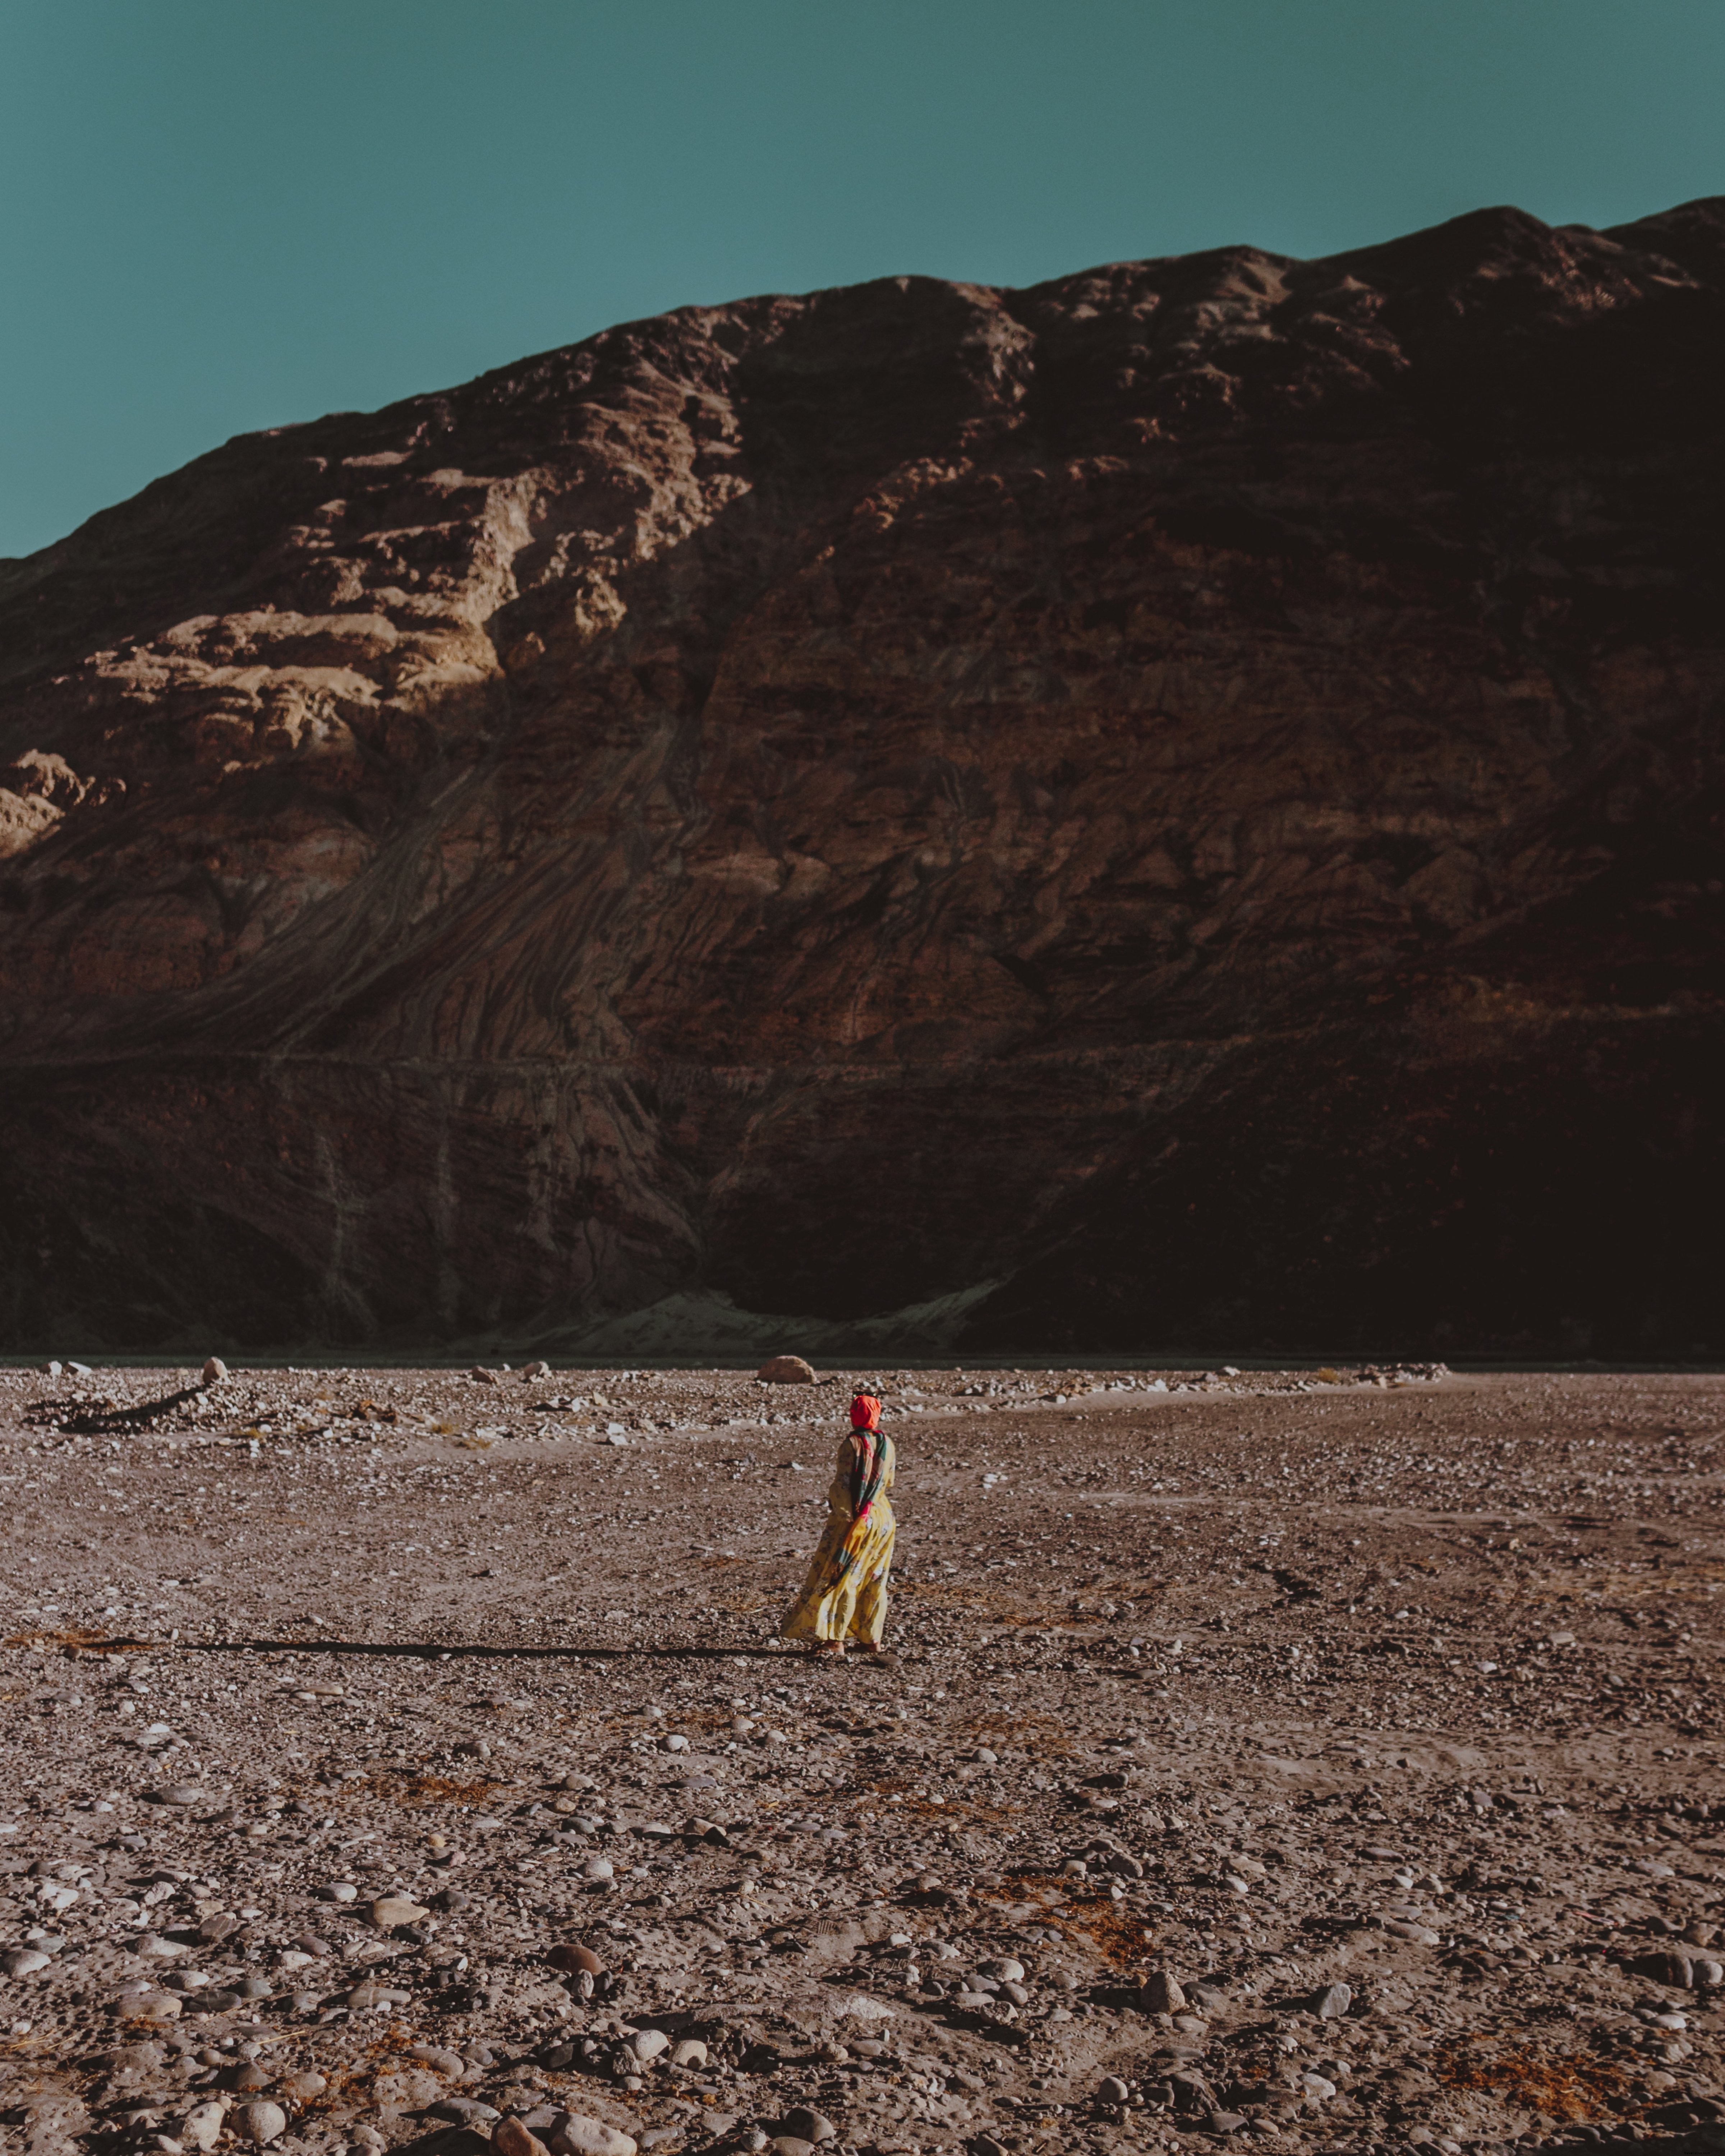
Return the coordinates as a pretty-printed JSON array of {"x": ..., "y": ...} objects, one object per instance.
[{"x": 1297, "y": 1759}]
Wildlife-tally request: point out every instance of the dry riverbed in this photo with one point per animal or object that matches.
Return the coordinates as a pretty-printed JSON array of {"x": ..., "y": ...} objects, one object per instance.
[{"x": 1291, "y": 1761}]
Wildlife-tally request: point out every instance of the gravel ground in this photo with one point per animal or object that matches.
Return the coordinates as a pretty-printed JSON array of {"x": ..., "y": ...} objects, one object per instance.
[{"x": 1320, "y": 1760}]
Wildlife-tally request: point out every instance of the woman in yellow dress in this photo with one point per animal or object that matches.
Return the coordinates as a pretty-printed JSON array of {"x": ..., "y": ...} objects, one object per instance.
[{"x": 844, "y": 1596}]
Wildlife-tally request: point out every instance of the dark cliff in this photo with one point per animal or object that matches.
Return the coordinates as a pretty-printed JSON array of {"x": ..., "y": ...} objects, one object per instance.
[{"x": 1178, "y": 808}]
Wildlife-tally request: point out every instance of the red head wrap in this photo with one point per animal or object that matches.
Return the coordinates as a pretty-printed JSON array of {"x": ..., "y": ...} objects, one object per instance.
[{"x": 866, "y": 1412}]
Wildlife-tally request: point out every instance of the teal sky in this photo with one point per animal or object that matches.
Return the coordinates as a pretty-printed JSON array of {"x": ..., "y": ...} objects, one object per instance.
[{"x": 225, "y": 214}]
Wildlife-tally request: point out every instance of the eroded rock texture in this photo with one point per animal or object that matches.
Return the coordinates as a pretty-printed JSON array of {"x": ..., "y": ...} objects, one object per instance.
[{"x": 1179, "y": 806}]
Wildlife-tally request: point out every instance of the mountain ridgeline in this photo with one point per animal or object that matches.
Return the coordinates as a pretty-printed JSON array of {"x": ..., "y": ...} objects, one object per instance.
[{"x": 1178, "y": 809}]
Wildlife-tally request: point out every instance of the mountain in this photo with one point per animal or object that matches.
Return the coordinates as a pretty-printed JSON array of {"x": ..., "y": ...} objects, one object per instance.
[{"x": 1177, "y": 808}]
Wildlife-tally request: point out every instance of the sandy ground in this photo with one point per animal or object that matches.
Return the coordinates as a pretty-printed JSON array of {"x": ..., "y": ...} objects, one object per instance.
[{"x": 1380, "y": 1716}]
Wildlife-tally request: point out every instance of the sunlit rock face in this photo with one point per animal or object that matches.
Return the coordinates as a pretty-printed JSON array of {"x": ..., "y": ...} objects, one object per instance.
[{"x": 1178, "y": 808}]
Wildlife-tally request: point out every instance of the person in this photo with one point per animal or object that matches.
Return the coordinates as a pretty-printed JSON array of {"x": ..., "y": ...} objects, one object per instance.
[{"x": 844, "y": 1596}]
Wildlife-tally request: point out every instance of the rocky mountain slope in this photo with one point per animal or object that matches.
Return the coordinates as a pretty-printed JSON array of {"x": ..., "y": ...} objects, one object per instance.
[{"x": 1180, "y": 805}]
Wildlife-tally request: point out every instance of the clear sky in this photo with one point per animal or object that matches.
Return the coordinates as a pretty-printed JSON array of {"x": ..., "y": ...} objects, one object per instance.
[{"x": 225, "y": 214}]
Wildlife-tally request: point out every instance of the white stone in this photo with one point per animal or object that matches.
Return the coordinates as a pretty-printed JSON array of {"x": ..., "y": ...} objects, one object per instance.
[
  {"x": 862, "y": 2007},
  {"x": 598, "y": 1867},
  {"x": 1006, "y": 1971},
  {"x": 649, "y": 2043},
  {"x": 158, "y": 1948},
  {"x": 576, "y": 2134},
  {"x": 215, "y": 1370},
  {"x": 261, "y": 2122},
  {"x": 339, "y": 1889},
  {"x": 25, "y": 1962},
  {"x": 690, "y": 2052},
  {"x": 202, "y": 2127}
]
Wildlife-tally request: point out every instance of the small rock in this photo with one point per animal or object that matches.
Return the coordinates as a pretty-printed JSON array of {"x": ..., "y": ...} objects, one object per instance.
[
  {"x": 576, "y": 2134},
  {"x": 690, "y": 2052},
  {"x": 390, "y": 1910},
  {"x": 598, "y": 1867},
  {"x": 984, "y": 1757},
  {"x": 510, "y": 2138},
  {"x": 136, "y": 2059},
  {"x": 215, "y": 1371},
  {"x": 1113, "y": 2090},
  {"x": 648, "y": 2043},
  {"x": 243, "y": 2080},
  {"x": 673, "y": 1743},
  {"x": 1317, "y": 2087},
  {"x": 301, "y": 2087},
  {"x": 1162, "y": 1994},
  {"x": 1418, "y": 1935},
  {"x": 177, "y": 1793},
  {"x": 481, "y": 1376},
  {"x": 340, "y": 1890},
  {"x": 537, "y": 1370},
  {"x": 1226, "y": 2122},
  {"x": 215, "y": 1929},
  {"x": 437, "y": 2055},
  {"x": 261, "y": 2122},
  {"x": 23, "y": 1961},
  {"x": 202, "y": 2127},
  {"x": 785, "y": 1370},
  {"x": 154, "y": 1947},
  {"x": 1332, "y": 2001},
  {"x": 580, "y": 1960},
  {"x": 150, "y": 2006},
  {"x": 803, "y": 2124},
  {"x": 465, "y": 2111},
  {"x": 1006, "y": 1969}
]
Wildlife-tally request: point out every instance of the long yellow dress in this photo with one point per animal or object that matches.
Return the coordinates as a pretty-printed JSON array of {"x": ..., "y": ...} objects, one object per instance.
[{"x": 848, "y": 1602}]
